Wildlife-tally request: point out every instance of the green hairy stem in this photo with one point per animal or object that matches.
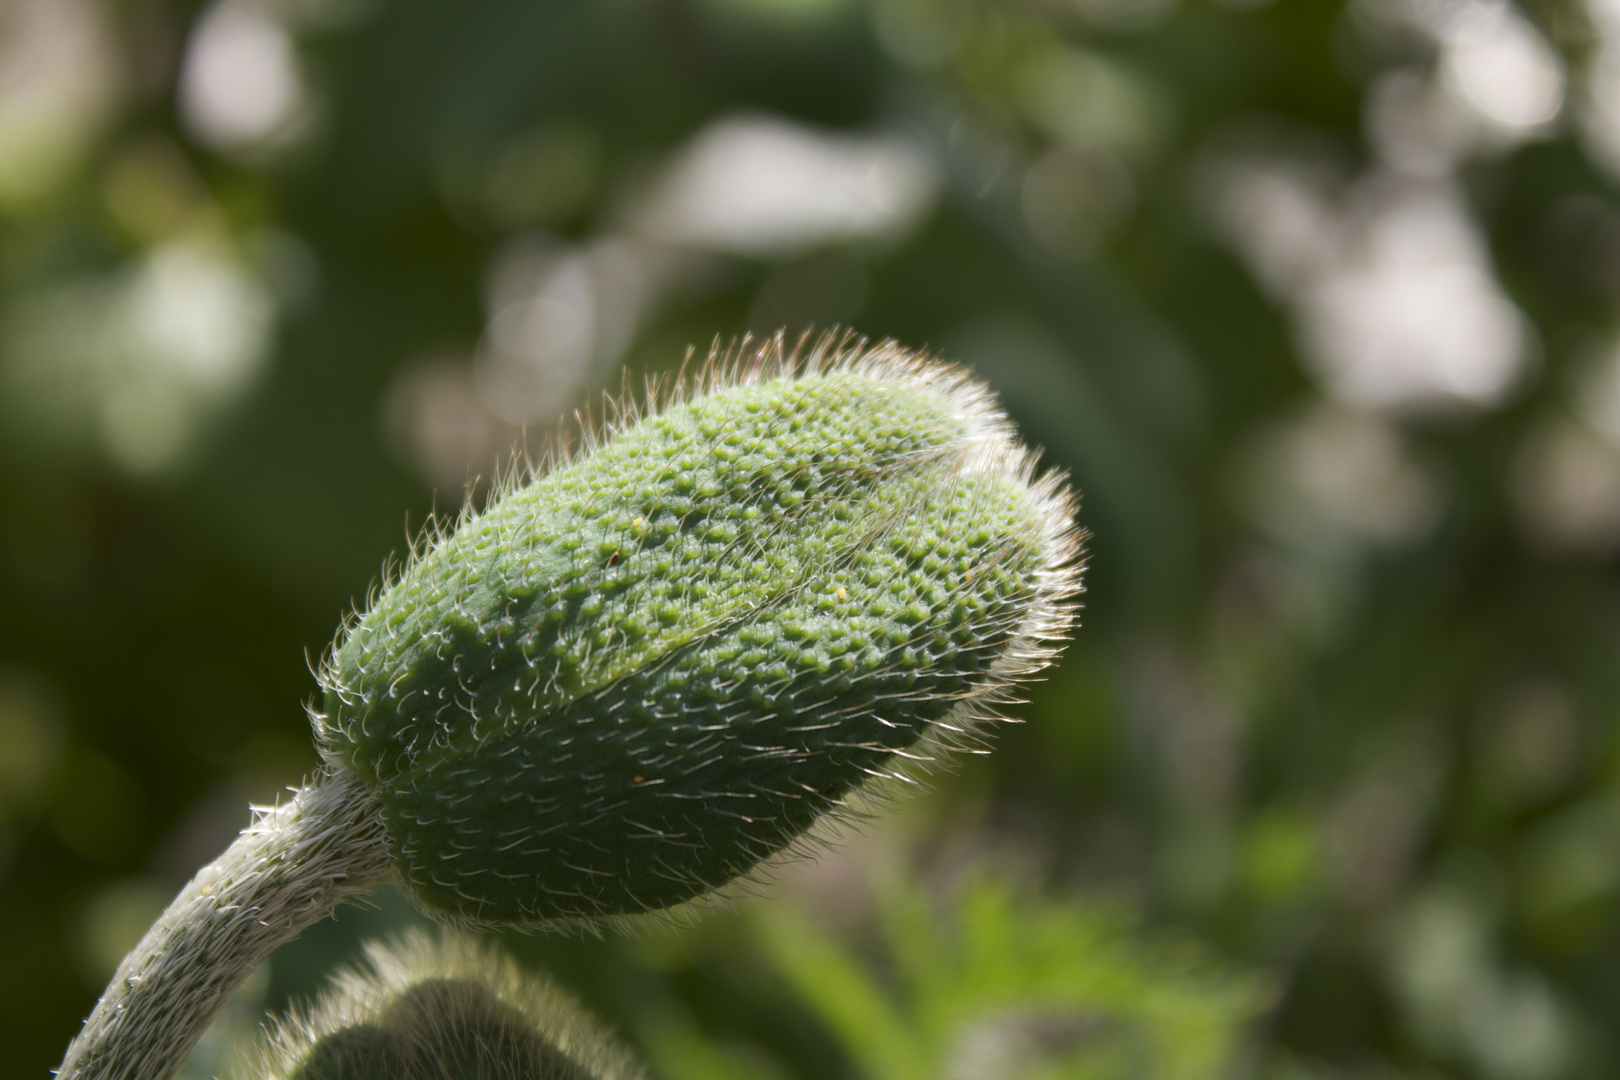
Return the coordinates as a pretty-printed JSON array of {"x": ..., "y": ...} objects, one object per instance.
[
  {"x": 293, "y": 866},
  {"x": 629, "y": 681}
]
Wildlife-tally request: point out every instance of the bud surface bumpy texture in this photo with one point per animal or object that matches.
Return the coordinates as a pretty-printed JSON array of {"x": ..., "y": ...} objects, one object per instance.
[{"x": 627, "y": 682}]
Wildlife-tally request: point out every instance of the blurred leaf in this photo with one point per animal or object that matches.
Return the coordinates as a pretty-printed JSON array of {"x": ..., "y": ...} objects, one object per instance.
[{"x": 1001, "y": 986}]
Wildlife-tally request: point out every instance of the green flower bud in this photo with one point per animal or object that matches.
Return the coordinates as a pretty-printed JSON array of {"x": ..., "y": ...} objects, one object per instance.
[
  {"x": 630, "y": 680},
  {"x": 451, "y": 1010},
  {"x": 627, "y": 682}
]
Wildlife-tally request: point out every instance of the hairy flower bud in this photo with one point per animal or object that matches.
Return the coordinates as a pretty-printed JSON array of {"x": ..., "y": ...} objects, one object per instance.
[
  {"x": 627, "y": 682},
  {"x": 427, "y": 1010}
]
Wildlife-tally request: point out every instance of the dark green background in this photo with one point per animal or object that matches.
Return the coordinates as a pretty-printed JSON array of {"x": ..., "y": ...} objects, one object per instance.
[{"x": 1332, "y": 755}]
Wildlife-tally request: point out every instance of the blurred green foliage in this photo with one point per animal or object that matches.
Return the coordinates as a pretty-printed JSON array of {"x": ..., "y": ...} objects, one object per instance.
[
  {"x": 1016, "y": 988},
  {"x": 1315, "y": 300}
]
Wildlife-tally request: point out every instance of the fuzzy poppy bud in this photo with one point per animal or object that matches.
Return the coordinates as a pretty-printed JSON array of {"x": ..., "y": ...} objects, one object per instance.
[
  {"x": 634, "y": 678},
  {"x": 625, "y": 683},
  {"x": 426, "y": 1009}
]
